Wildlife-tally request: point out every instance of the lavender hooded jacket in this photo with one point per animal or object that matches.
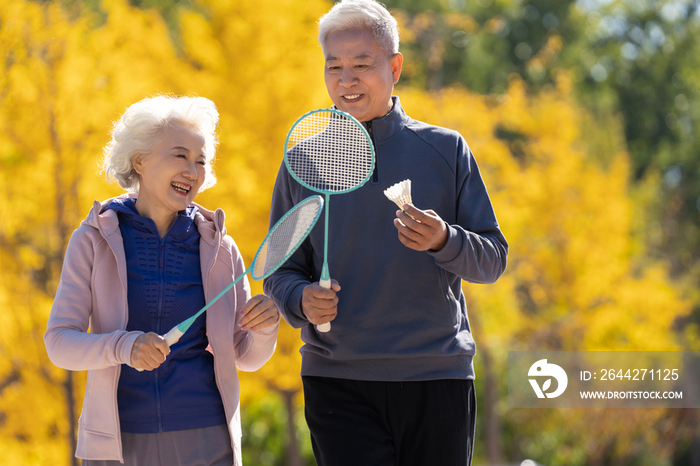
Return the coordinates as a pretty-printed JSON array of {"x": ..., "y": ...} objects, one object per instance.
[{"x": 92, "y": 294}]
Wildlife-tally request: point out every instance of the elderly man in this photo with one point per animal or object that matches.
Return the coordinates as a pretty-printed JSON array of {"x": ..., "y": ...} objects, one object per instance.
[{"x": 392, "y": 382}]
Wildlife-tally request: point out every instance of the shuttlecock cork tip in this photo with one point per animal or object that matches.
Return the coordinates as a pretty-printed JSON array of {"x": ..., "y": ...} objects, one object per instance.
[{"x": 400, "y": 193}]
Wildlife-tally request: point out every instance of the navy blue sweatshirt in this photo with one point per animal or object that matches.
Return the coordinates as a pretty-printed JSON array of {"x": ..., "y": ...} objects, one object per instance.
[
  {"x": 401, "y": 313},
  {"x": 164, "y": 283}
]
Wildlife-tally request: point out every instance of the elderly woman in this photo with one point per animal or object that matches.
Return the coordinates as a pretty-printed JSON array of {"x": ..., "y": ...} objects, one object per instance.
[{"x": 138, "y": 265}]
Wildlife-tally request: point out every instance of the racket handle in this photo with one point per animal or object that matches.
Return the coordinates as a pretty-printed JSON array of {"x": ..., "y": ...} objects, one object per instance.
[
  {"x": 170, "y": 338},
  {"x": 173, "y": 336},
  {"x": 325, "y": 283}
]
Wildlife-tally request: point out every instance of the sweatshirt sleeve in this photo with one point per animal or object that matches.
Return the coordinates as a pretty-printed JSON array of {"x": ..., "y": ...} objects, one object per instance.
[
  {"x": 68, "y": 343},
  {"x": 476, "y": 249},
  {"x": 287, "y": 284}
]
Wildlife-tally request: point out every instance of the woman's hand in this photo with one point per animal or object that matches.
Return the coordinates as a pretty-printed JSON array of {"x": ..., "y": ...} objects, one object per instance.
[
  {"x": 258, "y": 313},
  {"x": 149, "y": 351}
]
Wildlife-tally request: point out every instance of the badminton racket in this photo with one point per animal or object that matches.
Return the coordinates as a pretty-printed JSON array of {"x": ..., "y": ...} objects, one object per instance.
[
  {"x": 281, "y": 241},
  {"x": 329, "y": 152}
]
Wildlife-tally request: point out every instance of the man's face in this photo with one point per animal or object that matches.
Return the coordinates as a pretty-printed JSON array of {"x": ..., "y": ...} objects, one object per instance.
[{"x": 359, "y": 76}]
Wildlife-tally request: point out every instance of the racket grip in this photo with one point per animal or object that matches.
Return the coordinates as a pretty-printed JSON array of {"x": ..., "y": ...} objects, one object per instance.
[
  {"x": 325, "y": 283},
  {"x": 170, "y": 338},
  {"x": 173, "y": 336}
]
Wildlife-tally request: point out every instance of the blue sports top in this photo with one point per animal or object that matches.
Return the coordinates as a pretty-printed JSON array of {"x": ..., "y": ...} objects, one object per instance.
[
  {"x": 164, "y": 284},
  {"x": 402, "y": 314}
]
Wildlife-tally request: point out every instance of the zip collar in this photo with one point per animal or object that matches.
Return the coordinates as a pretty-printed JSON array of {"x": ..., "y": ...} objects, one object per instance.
[
  {"x": 179, "y": 229},
  {"x": 210, "y": 224},
  {"x": 389, "y": 125}
]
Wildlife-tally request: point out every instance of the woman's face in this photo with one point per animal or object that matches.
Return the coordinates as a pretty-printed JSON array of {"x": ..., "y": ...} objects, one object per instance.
[{"x": 171, "y": 176}]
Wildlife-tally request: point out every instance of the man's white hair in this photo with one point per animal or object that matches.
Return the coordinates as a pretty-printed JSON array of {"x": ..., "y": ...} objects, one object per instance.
[
  {"x": 139, "y": 130},
  {"x": 361, "y": 14}
]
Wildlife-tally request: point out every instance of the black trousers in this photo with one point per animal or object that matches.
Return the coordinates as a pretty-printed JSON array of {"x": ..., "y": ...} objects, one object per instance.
[{"x": 364, "y": 423}]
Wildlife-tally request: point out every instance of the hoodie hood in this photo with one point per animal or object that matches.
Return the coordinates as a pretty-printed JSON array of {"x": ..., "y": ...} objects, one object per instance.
[
  {"x": 130, "y": 216},
  {"x": 210, "y": 224}
]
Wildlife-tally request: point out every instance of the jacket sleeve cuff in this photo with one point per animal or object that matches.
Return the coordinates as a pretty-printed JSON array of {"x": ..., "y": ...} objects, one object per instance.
[
  {"x": 124, "y": 347},
  {"x": 452, "y": 247},
  {"x": 295, "y": 315}
]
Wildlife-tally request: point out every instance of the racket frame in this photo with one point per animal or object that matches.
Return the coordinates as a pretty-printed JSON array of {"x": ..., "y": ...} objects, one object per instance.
[
  {"x": 325, "y": 280},
  {"x": 344, "y": 115}
]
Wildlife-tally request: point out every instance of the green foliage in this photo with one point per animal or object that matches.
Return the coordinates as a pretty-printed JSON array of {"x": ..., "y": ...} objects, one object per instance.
[{"x": 265, "y": 434}]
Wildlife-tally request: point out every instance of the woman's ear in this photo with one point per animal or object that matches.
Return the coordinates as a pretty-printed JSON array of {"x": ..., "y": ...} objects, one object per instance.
[{"x": 137, "y": 162}]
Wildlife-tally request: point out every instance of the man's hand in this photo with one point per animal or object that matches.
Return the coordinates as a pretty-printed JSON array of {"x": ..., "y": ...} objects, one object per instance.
[
  {"x": 258, "y": 313},
  {"x": 420, "y": 229},
  {"x": 149, "y": 351},
  {"x": 320, "y": 305}
]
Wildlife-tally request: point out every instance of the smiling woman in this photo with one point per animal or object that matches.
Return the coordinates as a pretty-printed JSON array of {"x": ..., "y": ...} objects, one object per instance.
[
  {"x": 173, "y": 173},
  {"x": 142, "y": 127},
  {"x": 137, "y": 266}
]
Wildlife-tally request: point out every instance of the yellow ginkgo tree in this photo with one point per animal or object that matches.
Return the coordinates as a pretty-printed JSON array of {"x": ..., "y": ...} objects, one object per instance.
[
  {"x": 64, "y": 78},
  {"x": 66, "y": 73},
  {"x": 577, "y": 278}
]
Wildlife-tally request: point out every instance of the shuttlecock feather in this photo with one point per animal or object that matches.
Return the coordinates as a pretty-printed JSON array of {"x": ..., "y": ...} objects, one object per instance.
[{"x": 400, "y": 193}]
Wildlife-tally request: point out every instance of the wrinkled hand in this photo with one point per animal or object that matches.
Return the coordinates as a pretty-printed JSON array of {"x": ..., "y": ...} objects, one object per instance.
[
  {"x": 258, "y": 313},
  {"x": 149, "y": 351},
  {"x": 320, "y": 305},
  {"x": 420, "y": 229}
]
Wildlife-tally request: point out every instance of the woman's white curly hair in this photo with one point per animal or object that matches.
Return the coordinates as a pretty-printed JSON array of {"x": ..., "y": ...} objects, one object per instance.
[
  {"x": 140, "y": 128},
  {"x": 361, "y": 14}
]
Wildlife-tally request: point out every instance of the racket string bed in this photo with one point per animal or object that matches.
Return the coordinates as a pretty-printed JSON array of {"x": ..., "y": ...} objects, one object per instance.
[
  {"x": 329, "y": 153},
  {"x": 286, "y": 238}
]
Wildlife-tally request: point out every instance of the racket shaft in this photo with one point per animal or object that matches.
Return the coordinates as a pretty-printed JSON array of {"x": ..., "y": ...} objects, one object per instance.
[
  {"x": 325, "y": 280},
  {"x": 176, "y": 332},
  {"x": 183, "y": 326}
]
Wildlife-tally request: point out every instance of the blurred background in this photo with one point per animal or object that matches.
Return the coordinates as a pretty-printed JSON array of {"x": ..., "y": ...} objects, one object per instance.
[{"x": 583, "y": 116}]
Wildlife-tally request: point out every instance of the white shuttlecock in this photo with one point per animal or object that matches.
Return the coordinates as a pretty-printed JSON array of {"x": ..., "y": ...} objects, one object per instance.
[{"x": 400, "y": 193}]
